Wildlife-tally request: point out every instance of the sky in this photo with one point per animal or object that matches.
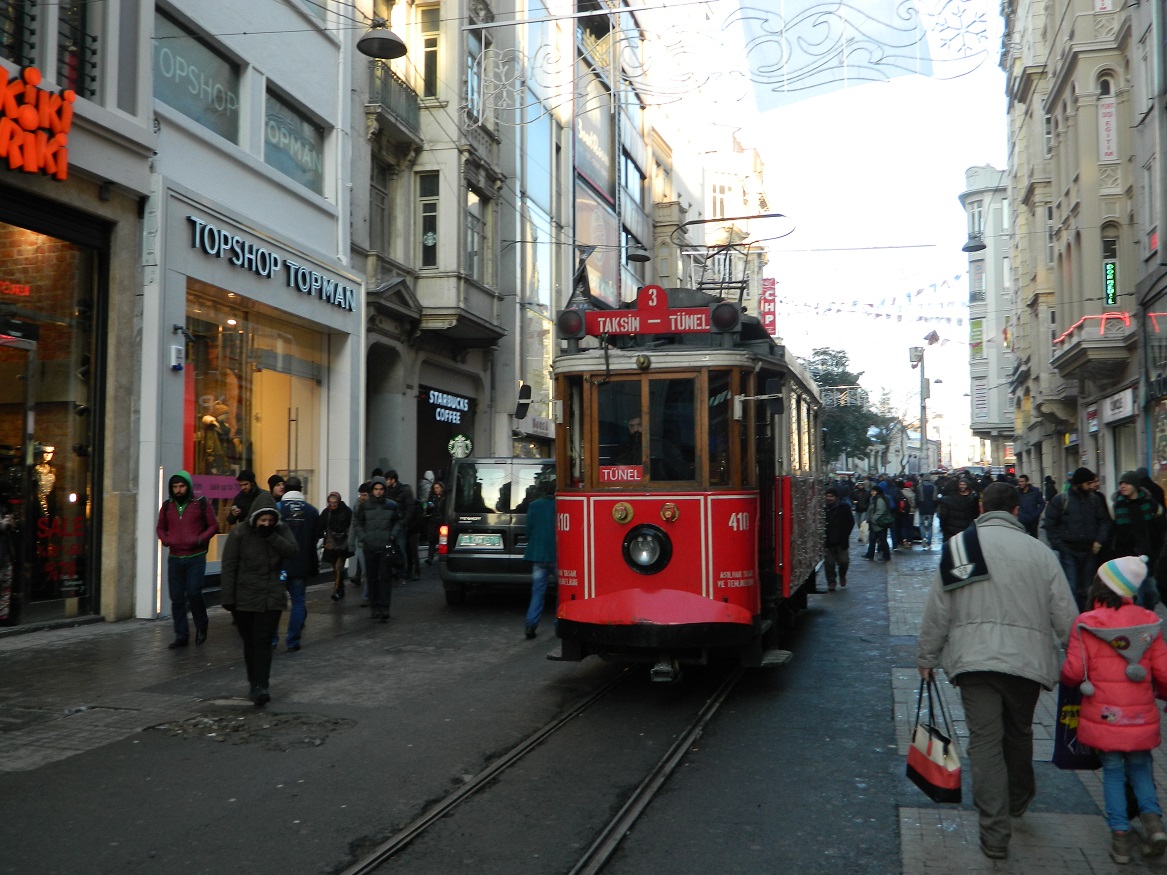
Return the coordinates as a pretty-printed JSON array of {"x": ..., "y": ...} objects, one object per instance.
[{"x": 868, "y": 177}]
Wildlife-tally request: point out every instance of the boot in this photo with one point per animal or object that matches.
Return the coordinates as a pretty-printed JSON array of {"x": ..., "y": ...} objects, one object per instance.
[
  {"x": 1156, "y": 841},
  {"x": 1120, "y": 847}
]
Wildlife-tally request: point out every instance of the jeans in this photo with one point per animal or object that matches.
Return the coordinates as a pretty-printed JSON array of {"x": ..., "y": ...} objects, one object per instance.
[
  {"x": 1079, "y": 568},
  {"x": 184, "y": 575},
  {"x": 257, "y": 628},
  {"x": 1117, "y": 767},
  {"x": 999, "y": 710},
  {"x": 836, "y": 557},
  {"x": 541, "y": 575},
  {"x": 926, "y": 528},
  {"x": 297, "y": 589}
]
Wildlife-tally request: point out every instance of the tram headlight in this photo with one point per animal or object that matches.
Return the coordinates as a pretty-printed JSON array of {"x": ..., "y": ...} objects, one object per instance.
[{"x": 647, "y": 549}]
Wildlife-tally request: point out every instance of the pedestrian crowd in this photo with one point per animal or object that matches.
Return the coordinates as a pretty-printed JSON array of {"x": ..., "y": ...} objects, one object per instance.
[
  {"x": 276, "y": 542},
  {"x": 1011, "y": 613}
]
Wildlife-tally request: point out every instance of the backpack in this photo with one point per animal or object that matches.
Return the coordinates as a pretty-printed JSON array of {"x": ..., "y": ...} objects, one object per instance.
[{"x": 902, "y": 506}]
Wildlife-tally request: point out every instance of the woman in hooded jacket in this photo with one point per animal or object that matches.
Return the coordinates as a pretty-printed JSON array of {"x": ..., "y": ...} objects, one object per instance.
[
  {"x": 335, "y": 522},
  {"x": 251, "y": 588}
]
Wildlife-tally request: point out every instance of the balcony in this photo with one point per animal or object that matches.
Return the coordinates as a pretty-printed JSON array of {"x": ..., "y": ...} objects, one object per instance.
[
  {"x": 1096, "y": 347},
  {"x": 459, "y": 309},
  {"x": 1056, "y": 401},
  {"x": 393, "y": 111}
]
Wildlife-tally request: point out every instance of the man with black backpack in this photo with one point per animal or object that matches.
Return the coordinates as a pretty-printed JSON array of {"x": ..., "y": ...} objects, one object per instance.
[{"x": 186, "y": 525}]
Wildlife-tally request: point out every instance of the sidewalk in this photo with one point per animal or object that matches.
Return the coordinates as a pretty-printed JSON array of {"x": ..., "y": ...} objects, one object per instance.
[{"x": 1056, "y": 836}]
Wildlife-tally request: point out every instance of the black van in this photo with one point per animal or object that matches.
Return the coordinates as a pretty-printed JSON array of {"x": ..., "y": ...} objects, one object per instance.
[{"x": 484, "y": 534}]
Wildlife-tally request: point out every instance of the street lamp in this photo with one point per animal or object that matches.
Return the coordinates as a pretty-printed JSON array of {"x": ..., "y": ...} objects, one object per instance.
[{"x": 916, "y": 357}]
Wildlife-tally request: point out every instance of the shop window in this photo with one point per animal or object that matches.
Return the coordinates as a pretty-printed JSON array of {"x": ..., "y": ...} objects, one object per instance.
[
  {"x": 17, "y": 27},
  {"x": 427, "y": 190},
  {"x": 430, "y": 20},
  {"x": 476, "y": 238},
  {"x": 293, "y": 143},
  {"x": 214, "y": 102},
  {"x": 76, "y": 49},
  {"x": 47, "y": 288},
  {"x": 379, "y": 212},
  {"x": 253, "y": 396}
]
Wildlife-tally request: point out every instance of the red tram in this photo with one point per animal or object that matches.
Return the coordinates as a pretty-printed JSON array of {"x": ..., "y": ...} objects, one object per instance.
[{"x": 689, "y": 510}]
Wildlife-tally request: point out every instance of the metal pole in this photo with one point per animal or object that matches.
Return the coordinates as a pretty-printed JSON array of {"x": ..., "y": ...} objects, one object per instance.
[{"x": 925, "y": 465}]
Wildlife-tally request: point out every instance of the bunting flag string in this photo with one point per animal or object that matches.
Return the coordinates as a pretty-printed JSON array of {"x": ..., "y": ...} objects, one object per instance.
[{"x": 943, "y": 303}]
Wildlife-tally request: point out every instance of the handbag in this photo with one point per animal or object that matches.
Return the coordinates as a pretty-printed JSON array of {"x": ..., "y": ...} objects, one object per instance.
[
  {"x": 337, "y": 542},
  {"x": 1069, "y": 752},
  {"x": 933, "y": 758},
  {"x": 864, "y": 531},
  {"x": 394, "y": 557}
]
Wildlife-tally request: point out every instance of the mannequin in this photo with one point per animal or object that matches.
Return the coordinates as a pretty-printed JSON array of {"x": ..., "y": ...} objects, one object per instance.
[{"x": 45, "y": 479}]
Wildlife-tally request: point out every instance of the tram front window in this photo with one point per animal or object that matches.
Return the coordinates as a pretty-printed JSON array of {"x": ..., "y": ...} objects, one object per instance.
[{"x": 654, "y": 442}]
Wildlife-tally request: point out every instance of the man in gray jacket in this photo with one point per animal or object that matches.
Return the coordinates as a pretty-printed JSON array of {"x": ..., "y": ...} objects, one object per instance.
[{"x": 995, "y": 620}]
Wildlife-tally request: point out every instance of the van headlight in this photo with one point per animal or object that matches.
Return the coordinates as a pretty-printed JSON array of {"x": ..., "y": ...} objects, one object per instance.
[{"x": 647, "y": 549}]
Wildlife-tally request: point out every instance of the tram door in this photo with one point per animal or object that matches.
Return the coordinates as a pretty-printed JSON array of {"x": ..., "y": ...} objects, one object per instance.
[{"x": 44, "y": 503}]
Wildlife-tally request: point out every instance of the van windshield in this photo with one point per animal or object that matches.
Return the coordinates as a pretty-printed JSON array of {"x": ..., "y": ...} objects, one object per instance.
[
  {"x": 499, "y": 488},
  {"x": 482, "y": 489}
]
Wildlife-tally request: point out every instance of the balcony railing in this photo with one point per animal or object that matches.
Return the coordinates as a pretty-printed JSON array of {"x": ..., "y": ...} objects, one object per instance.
[
  {"x": 395, "y": 98},
  {"x": 1096, "y": 347}
]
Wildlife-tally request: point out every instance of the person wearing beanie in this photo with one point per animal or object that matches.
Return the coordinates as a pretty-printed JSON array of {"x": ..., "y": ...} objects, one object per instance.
[
  {"x": 275, "y": 485},
  {"x": 241, "y": 503},
  {"x": 377, "y": 524},
  {"x": 1077, "y": 525},
  {"x": 410, "y": 510},
  {"x": 837, "y": 539},
  {"x": 303, "y": 520},
  {"x": 1138, "y": 528},
  {"x": 1116, "y": 650},
  {"x": 995, "y": 619},
  {"x": 251, "y": 588},
  {"x": 186, "y": 524}
]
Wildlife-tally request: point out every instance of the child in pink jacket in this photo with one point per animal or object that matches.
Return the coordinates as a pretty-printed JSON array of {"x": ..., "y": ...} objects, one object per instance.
[{"x": 1115, "y": 651}]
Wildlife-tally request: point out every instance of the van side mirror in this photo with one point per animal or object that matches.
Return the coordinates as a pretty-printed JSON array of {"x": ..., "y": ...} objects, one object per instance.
[{"x": 776, "y": 405}]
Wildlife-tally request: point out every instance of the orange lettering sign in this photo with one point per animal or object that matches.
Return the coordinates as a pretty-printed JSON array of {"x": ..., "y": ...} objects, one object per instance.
[{"x": 34, "y": 125}]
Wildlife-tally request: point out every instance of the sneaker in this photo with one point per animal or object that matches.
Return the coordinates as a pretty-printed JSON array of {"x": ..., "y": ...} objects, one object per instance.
[
  {"x": 993, "y": 852},
  {"x": 1156, "y": 841},
  {"x": 1120, "y": 847}
]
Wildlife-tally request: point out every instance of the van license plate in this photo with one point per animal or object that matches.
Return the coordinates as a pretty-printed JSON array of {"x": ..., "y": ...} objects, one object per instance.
[{"x": 480, "y": 540}]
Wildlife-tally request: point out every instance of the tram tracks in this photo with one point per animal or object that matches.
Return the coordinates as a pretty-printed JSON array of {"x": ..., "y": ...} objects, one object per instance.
[{"x": 607, "y": 839}]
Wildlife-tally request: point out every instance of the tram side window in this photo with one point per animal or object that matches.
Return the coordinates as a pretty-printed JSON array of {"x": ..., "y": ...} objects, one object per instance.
[
  {"x": 672, "y": 429},
  {"x": 620, "y": 423},
  {"x": 720, "y": 413}
]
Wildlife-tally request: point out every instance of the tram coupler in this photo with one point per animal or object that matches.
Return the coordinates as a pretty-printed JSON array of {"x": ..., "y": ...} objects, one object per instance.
[{"x": 665, "y": 671}]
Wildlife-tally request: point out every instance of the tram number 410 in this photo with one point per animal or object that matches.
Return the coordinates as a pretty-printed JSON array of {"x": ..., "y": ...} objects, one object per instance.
[{"x": 740, "y": 521}]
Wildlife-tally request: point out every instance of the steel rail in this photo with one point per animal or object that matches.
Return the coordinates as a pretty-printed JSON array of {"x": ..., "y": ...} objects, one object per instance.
[
  {"x": 605, "y": 845},
  {"x": 396, "y": 843}
]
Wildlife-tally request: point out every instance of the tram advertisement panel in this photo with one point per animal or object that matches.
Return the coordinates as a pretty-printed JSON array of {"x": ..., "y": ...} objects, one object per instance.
[
  {"x": 733, "y": 530},
  {"x": 570, "y": 537}
]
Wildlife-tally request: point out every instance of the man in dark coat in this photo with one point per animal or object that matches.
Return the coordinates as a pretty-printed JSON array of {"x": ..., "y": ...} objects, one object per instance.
[
  {"x": 957, "y": 508},
  {"x": 1032, "y": 504},
  {"x": 926, "y": 504},
  {"x": 540, "y": 552},
  {"x": 303, "y": 520},
  {"x": 1077, "y": 525},
  {"x": 410, "y": 510},
  {"x": 241, "y": 503},
  {"x": 377, "y": 525},
  {"x": 251, "y": 587},
  {"x": 839, "y": 523}
]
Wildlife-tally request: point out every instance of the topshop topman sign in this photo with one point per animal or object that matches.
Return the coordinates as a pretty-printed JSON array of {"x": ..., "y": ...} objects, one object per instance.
[{"x": 265, "y": 263}]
